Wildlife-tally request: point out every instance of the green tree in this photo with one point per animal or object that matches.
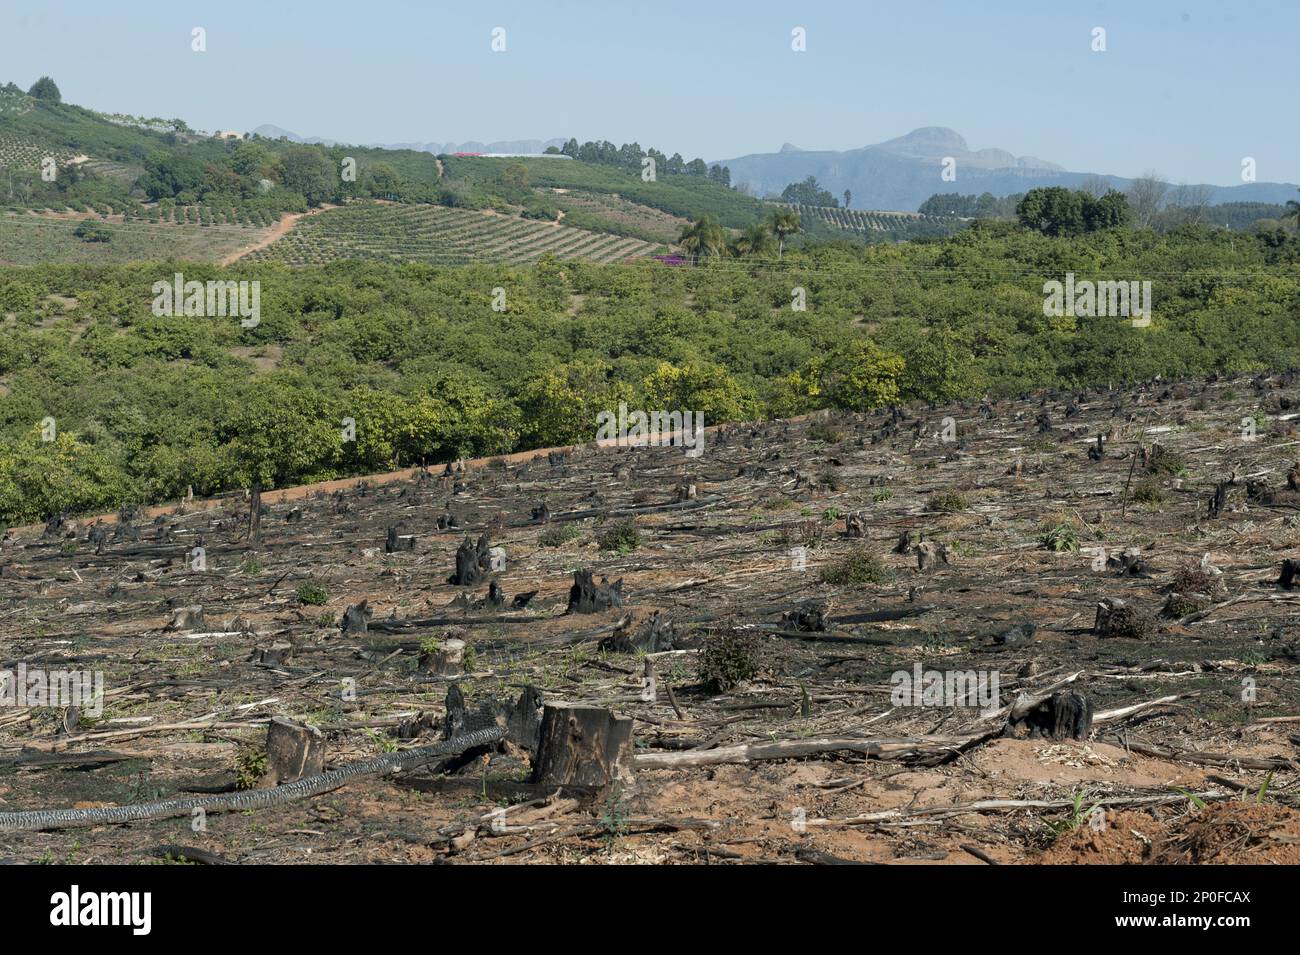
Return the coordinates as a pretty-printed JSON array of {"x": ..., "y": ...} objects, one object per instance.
[
  {"x": 382, "y": 180},
  {"x": 309, "y": 172},
  {"x": 858, "y": 376},
  {"x": 1293, "y": 212},
  {"x": 809, "y": 193},
  {"x": 45, "y": 89},
  {"x": 700, "y": 387},
  {"x": 783, "y": 223},
  {"x": 755, "y": 240},
  {"x": 703, "y": 238},
  {"x": 559, "y": 406}
]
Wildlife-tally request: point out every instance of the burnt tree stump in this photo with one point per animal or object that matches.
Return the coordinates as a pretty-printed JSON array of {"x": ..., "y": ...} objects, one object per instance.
[
  {"x": 468, "y": 565},
  {"x": 586, "y": 596},
  {"x": 293, "y": 750},
  {"x": 1066, "y": 714},
  {"x": 581, "y": 746}
]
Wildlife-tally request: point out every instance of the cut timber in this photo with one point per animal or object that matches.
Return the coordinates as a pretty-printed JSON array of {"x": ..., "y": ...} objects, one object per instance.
[
  {"x": 581, "y": 746},
  {"x": 293, "y": 750}
]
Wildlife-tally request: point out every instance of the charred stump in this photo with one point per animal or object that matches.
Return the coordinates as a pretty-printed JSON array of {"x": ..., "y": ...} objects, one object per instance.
[
  {"x": 293, "y": 750},
  {"x": 586, "y": 596},
  {"x": 356, "y": 619},
  {"x": 468, "y": 566},
  {"x": 1066, "y": 714},
  {"x": 581, "y": 746}
]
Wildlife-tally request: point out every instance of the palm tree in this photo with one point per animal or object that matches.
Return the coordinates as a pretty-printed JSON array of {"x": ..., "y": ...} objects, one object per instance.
[
  {"x": 1292, "y": 212},
  {"x": 703, "y": 238},
  {"x": 755, "y": 240},
  {"x": 783, "y": 222}
]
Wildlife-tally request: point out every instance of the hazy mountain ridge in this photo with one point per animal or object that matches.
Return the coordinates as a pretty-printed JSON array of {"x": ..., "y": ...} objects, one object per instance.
[
  {"x": 472, "y": 146},
  {"x": 902, "y": 173}
]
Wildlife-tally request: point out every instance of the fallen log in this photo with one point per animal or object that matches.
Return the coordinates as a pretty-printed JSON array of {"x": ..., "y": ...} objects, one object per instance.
[
  {"x": 306, "y": 788},
  {"x": 889, "y": 748}
]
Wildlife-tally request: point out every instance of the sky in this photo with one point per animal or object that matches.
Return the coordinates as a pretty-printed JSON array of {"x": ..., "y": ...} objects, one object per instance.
[{"x": 1187, "y": 89}]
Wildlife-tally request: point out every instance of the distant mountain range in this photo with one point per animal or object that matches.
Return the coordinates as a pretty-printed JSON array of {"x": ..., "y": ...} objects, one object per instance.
[
  {"x": 503, "y": 146},
  {"x": 902, "y": 173}
]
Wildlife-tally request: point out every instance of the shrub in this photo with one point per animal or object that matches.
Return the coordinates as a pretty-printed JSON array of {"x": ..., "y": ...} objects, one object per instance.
[
  {"x": 1163, "y": 461},
  {"x": 1194, "y": 579},
  {"x": 622, "y": 537},
  {"x": 1181, "y": 605},
  {"x": 948, "y": 502},
  {"x": 1149, "y": 492},
  {"x": 728, "y": 657},
  {"x": 312, "y": 593},
  {"x": 859, "y": 567},
  {"x": 1059, "y": 537},
  {"x": 825, "y": 433},
  {"x": 250, "y": 765},
  {"x": 559, "y": 535}
]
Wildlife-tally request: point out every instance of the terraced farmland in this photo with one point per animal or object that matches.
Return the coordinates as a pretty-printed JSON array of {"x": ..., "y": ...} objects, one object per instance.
[
  {"x": 392, "y": 233},
  {"x": 27, "y": 239}
]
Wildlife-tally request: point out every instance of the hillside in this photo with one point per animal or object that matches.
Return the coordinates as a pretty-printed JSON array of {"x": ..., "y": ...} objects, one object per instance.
[
  {"x": 829, "y": 222},
  {"x": 134, "y": 170},
  {"x": 27, "y": 239},
  {"x": 373, "y": 232}
]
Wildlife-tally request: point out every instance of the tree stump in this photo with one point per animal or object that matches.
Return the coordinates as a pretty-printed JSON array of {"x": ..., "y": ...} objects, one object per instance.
[
  {"x": 398, "y": 542},
  {"x": 293, "y": 750},
  {"x": 356, "y": 619},
  {"x": 1066, "y": 714},
  {"x": 581, "y": 746},
  {"x": 586, "y": 596},
  {"x": 467, "y": 565},
  {"x": 444, "y": 659}
]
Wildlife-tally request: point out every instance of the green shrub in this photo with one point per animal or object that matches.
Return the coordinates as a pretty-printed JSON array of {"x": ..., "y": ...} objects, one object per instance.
[
  {"x": 312, "y": 593},
  {"x": 623, "y": 537},
  {"x": 1149, "y": 492},
  {"x": 728, "y": 657},
  {"x": 559, "y": 535},
  {"x": 858, "y": 567},
  {"x": 1059, "y": 537},
  {"x": 947, "y": 502}
]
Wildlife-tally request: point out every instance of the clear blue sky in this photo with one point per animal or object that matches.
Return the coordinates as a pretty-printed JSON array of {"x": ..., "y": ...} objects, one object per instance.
[{"x": 1186, "y": 88}]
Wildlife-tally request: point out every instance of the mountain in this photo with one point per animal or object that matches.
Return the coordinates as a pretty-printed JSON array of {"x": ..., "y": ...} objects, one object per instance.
[
  {"x": 902, "y": 173},
  {"x": 501, "y": 146}
]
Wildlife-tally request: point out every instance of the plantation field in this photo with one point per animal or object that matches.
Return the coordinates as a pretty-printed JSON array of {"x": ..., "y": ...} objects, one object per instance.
[
  {"x": 689, "y": 196},
  {"x": 613, "y": 213},
  {"x": 27, "y": 239},
  {"x": 896, "y": 224},
  {"x": 19, "y": 153},
  {"x": 439, "y": 235}
]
